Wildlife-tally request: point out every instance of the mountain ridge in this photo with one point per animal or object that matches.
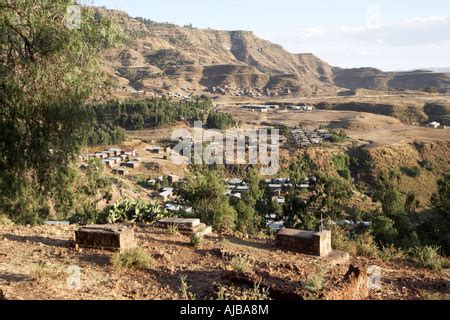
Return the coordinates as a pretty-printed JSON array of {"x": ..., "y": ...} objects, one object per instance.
[{"x": 163, "y": 58}]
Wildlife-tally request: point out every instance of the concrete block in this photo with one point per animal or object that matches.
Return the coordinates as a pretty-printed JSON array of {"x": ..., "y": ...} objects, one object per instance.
[
  {"x": 114, "y": 238},
  {"x": 307, "y": 242}
]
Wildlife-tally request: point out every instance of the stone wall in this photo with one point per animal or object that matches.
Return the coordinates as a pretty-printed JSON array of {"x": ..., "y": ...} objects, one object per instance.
[{"x": 306, "y": 242}]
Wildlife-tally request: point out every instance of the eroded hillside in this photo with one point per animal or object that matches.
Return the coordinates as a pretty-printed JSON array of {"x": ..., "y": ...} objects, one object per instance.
[{"x": 162, "y": 58}]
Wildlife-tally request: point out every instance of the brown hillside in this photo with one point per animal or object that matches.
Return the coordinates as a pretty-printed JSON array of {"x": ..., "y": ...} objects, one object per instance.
[{"x": 162, "y": 58}]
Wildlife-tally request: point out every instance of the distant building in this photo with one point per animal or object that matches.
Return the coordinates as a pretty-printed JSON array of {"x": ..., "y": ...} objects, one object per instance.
[
  {"x": 101, "y": 155},
  {"x": 155, "y": 150},
  {"x": 235, "y": 181},
  {"x": 130, "y": 152},
  {"x": 166, "y": 194},
  {"x": 116, "y": 151},
  {"x": 173, "y": 178},
  {"x": 122, "y": 172},
  {"x": 133, "y": 164},
  {"x": 434, "y": 125}
]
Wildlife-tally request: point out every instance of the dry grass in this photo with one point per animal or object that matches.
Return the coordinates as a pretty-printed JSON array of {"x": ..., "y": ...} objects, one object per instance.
[
  {"x": 44, "y": 270},
  {"x": 238, "y": 294}
]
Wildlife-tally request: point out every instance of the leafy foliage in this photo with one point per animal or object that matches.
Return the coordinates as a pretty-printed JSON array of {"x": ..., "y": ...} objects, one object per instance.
[
  {"x": 150, "y": 113},
  {"x": 204, "y": 191},
  {"x": 47, "y": 73},
  {"x": 222, "y": 121},
  {"x": 427, "y": 257},
  {"x": 127, "y": 210},
  {"x": 338, "y": 137}
]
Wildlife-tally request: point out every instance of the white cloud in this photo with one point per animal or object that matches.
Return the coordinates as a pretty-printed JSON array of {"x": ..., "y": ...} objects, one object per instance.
[
  {"x": 426, "y": 30},
  {"x": 415, "y": 42}
]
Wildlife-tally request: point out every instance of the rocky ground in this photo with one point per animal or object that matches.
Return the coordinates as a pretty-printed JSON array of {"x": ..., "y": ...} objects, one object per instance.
[{"x": 34, "y": 264}]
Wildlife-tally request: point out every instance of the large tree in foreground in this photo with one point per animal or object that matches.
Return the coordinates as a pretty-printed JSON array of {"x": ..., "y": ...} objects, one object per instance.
[{"x": 47, "y": 73}]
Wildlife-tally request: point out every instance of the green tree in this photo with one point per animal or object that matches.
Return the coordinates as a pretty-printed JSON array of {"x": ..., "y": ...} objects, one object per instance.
[
  {"x": 47, "y": 72},
  {"x": 205, "y": 191},
  {"x": 247, "y": 221},
  {"x": 384, "y": 230}
]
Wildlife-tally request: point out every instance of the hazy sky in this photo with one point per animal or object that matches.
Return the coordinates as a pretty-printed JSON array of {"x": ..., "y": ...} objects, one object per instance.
[{"x": 387, "y": 34}]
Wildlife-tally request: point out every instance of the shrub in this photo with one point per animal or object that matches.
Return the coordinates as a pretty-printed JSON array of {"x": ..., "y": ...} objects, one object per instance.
[
  {"x": 340, "y": 241},
  {"x": 413, "y": 172},
  {"x": 426, "y": 257},
  {"x": 366, "y": 246},
  {"x": 316, "y": 281},
  {"x": 184, "y": 288},
  {"x": 220, "y": 121},
  {"x": 428, "y": 165},
  {"x": 241, "y": 264},
  {"x": 172, "y": 230},
  {"x": 136, "y": 258},
  {"x": 5, "y": 221},
  {"x": 338, "y": 137},
  {"x": 196, "y": 240},
  {"x": 391, "y": 253}
]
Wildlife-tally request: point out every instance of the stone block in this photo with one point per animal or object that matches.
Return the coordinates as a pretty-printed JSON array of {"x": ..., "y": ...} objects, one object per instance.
[
  {"x": 181, "y": 224},
  {"x": 114, "y": 238},
  {"x": 306, "y": 242}
]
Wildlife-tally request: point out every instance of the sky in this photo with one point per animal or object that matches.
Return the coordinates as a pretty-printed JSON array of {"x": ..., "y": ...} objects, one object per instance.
[{"x": 387, "y": 34}]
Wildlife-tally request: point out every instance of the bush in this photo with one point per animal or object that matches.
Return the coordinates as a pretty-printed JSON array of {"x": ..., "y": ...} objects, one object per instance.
[
  {"x": 338, "y": 137},
  {"x": 340, "y": 241},
  {"x": 367, "y": 247},
  {"x": 412, "y": 172},
  {"x": 5, "y": 221},
  {"x": 427, "y": 257},
  {"x": 184, "y": 288},
  {"x": 136, "y": 258},
  {"x": 241, "y": 264},
  {"x": 428, "y": 165},
  {"x": 316, "y": 281},
  {"x": 172, "y": 230},
  {"x": 196, "y": 240},
  {"x": 391, "y": 253}
]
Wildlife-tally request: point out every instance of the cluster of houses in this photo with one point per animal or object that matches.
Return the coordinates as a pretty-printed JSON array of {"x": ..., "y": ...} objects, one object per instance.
[
  {"x": 261, "y": 108},
  {"x": 277, "y": 187},
  {"x": 166, "y": 193},
  {"x": 302, "y": 108},
  {"x": 267, "y": 108},
  {"x": 303, "y": 138},
  {"x": 117, "y": 159}
]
